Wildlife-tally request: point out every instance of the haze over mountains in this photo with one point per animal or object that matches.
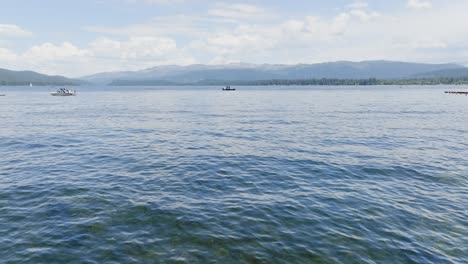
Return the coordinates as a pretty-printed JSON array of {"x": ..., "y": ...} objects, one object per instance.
[
  {"x": 211, "y": 74},
  {"x": 200, "y": 74}
]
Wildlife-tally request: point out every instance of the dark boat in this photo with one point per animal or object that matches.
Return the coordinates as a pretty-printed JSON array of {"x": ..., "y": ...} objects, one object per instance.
[
  {"x": 457, "y": 92},
  {"x": 228, "y": 88}
]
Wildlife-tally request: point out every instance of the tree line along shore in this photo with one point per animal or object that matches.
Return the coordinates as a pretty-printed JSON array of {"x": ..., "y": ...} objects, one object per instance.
[
  {"x": 279, "y": 82},
  {"x": 303, "y": 82}
]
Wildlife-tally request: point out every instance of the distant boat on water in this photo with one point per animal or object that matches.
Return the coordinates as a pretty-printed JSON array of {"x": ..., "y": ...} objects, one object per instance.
[
  {"x": 228, "y": 88},
  {"x": 30, "y": 85},
  {"x": 64, "y": 92}
]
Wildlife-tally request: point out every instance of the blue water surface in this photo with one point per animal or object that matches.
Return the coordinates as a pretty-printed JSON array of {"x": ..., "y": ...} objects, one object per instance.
[{"x": 260, "y": 175}]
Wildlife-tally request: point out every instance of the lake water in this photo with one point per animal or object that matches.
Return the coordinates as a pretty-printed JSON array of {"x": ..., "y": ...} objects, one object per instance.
[{"x": 260, "y": 175}]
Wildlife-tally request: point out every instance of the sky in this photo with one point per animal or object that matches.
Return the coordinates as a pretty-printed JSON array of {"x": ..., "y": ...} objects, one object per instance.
[{"x": 77, "y": 38}]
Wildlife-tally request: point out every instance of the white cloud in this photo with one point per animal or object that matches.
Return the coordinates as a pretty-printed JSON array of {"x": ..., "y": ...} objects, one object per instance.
[
  {"x": 106, "y": 47},
  {"x": 358, "y": 5},
  {"x": 419, "y": 4},
  {"x": 428, "y": 44},
  {"x": 147, "y": 47},
  {"x": 357, "y": 33},
  {"x": 63, "y": 59},
  {"x": 239, "y": 11},
  {"x": 101, "y": 54},
  {"x": 135, "y": 53},
  {"x": 48, "y": 50},
  {"x": 363, "y": 15},
  {"x": 13, "y": 30},
  {"x": 175, "y": 26},
  {"x": 257, "y": 41},
  {"x": 6, "y": 56}
]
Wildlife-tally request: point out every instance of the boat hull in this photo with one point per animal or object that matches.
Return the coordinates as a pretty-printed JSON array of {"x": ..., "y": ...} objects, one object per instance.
[{"x": 63, "y": 94}]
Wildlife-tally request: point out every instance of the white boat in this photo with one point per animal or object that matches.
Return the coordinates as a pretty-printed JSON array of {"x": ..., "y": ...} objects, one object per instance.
[
  {"x": 228, "y": 88},
  {"x": 64, "y": 92}
]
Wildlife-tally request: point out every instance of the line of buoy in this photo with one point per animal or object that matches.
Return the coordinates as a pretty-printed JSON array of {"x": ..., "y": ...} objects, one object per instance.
[{"x": 455, "y": 92}]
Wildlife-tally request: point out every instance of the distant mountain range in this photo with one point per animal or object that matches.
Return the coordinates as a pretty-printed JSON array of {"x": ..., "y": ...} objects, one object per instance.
[
  {"x": 210, "y": 74},
  {"x": 8, "y": 77},
  {"x": 242, "y": 73}
]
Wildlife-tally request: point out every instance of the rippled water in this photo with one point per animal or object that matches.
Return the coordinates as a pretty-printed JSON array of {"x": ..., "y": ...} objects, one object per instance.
[{"x": 289, "y": 175}]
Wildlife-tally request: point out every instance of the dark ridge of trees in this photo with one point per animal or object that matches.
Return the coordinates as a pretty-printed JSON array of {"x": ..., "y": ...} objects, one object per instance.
[
  {"x": 352, "y": 82},
  {"x": 304, "y": 82},
  {"x": 324, "y": 81}
]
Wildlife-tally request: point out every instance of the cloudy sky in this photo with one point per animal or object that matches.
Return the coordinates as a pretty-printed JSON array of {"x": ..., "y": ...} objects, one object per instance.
[{"x": 76, "y": 38}]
